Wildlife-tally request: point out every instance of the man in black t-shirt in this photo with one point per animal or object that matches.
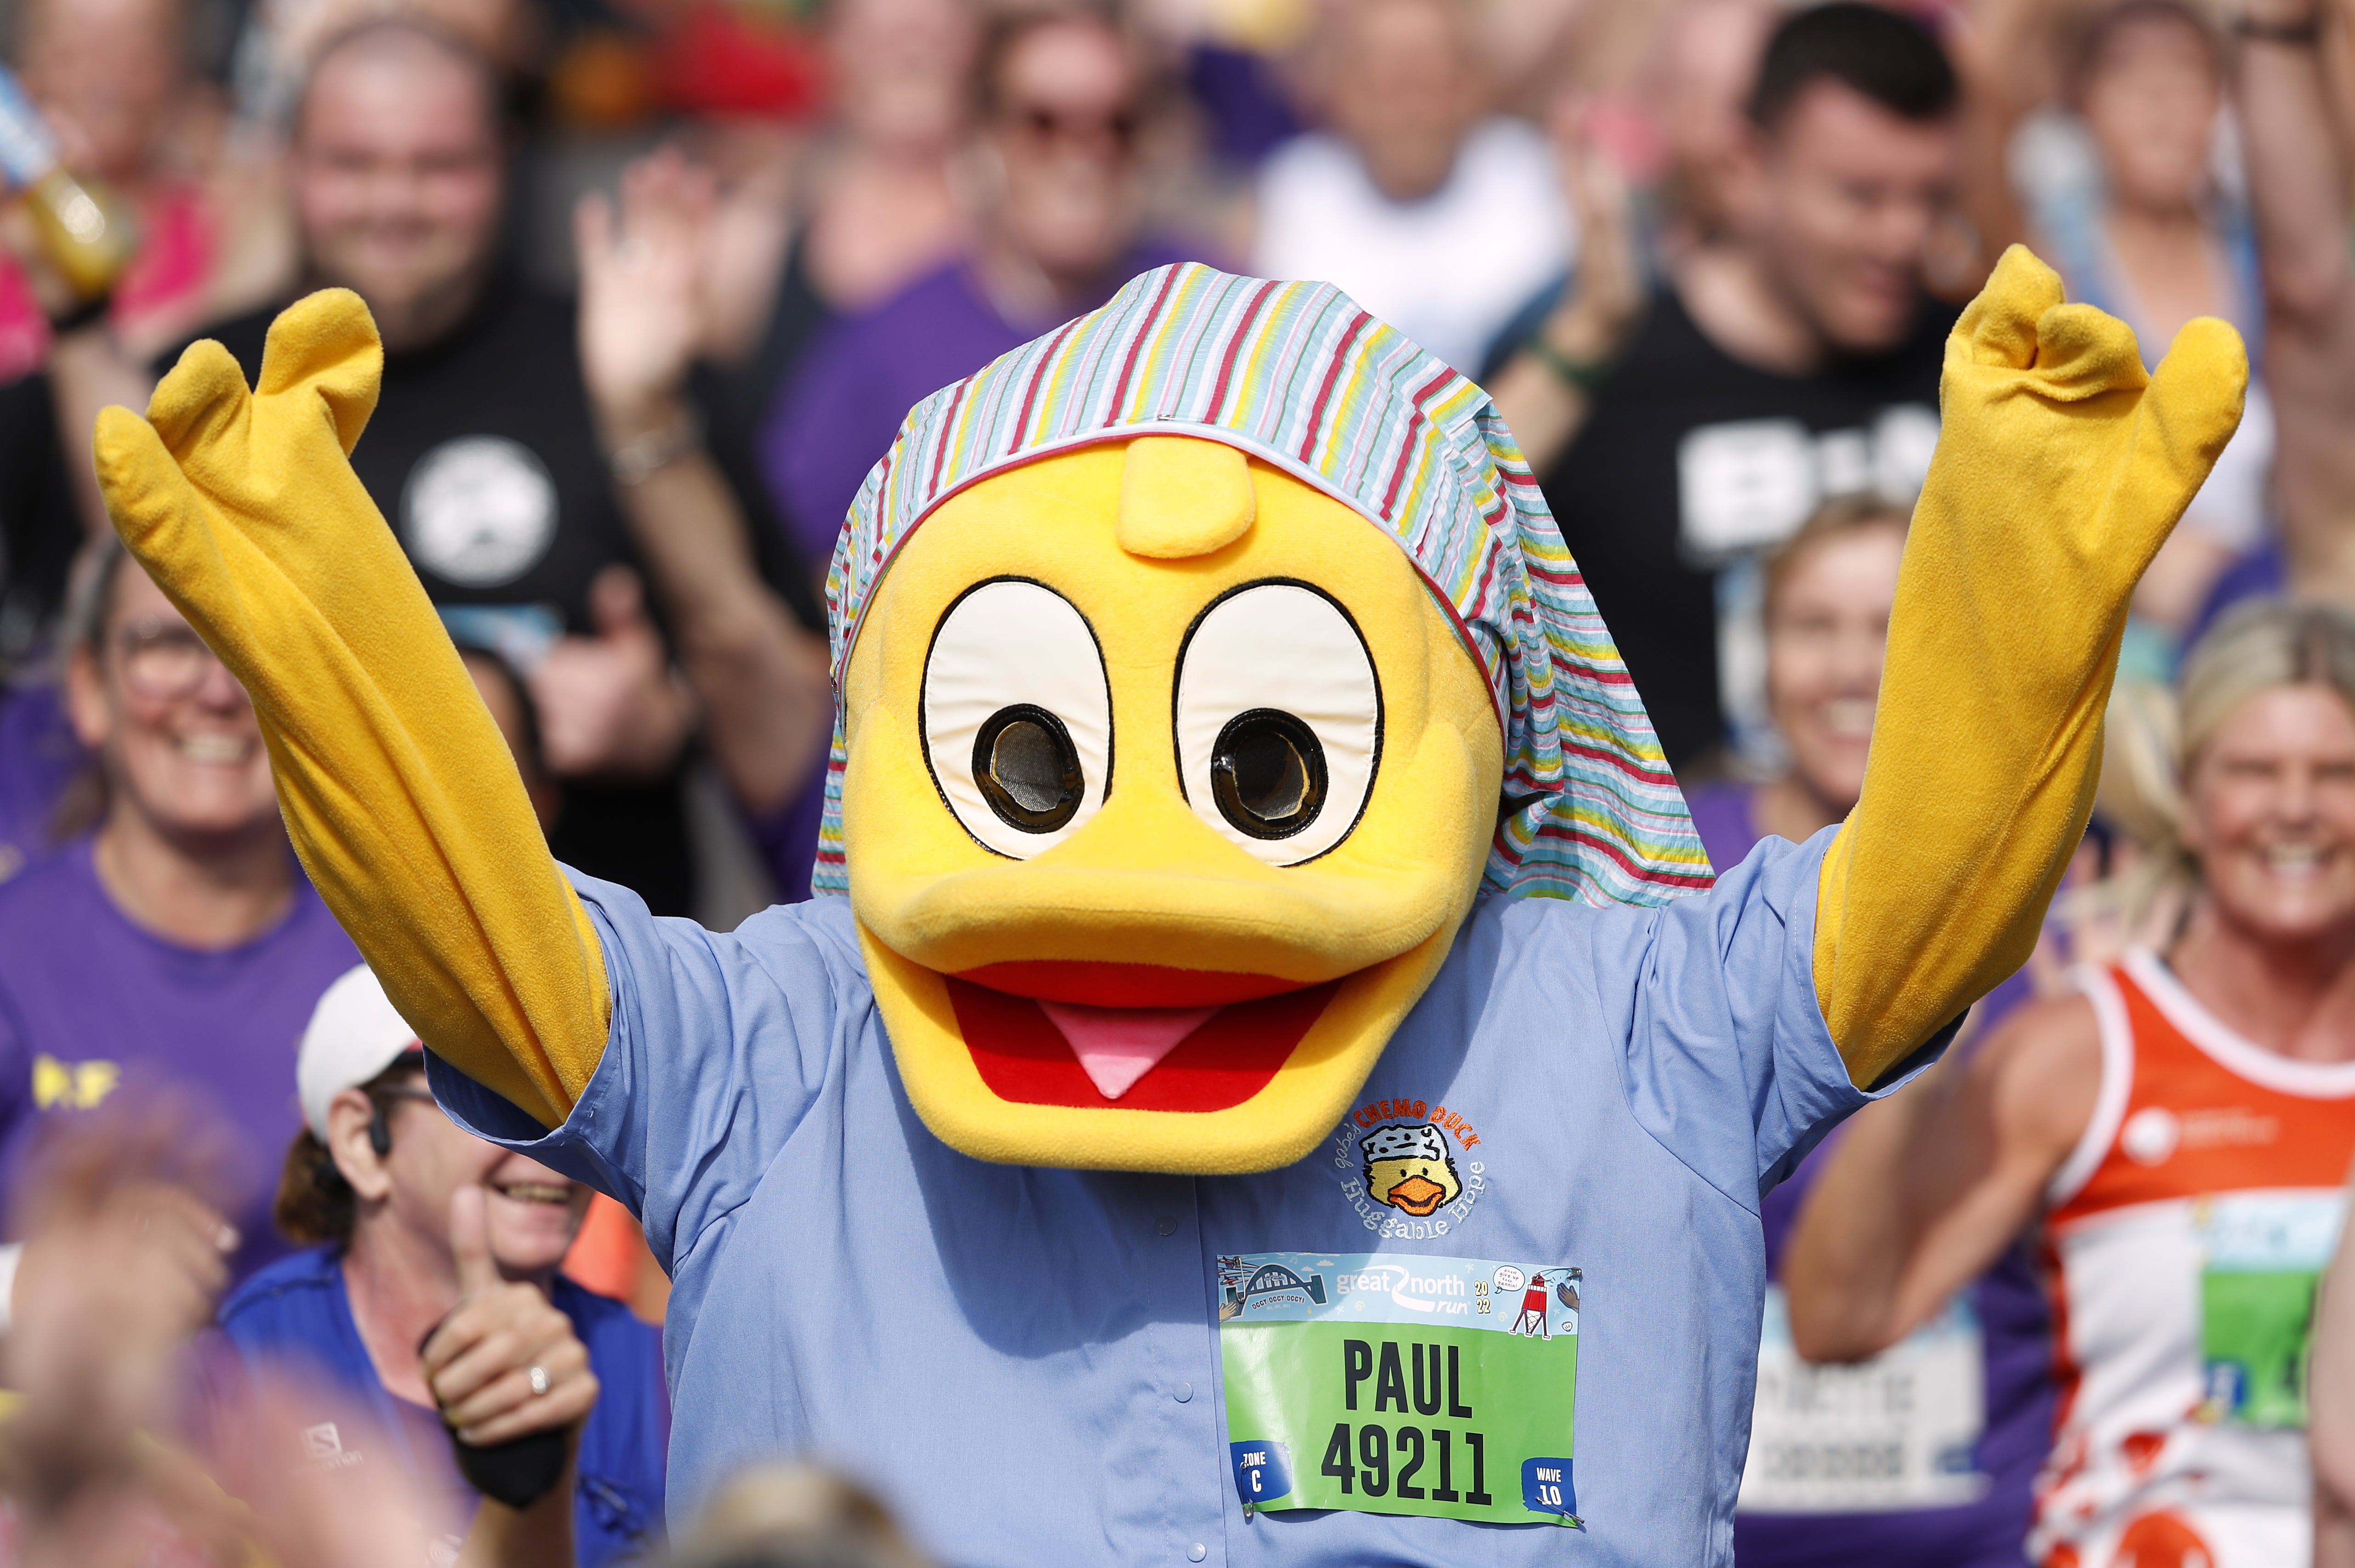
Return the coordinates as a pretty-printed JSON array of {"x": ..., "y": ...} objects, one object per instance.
[
  {"x": 1793, "y": 361},
  {"x": 483, "y": 452}
]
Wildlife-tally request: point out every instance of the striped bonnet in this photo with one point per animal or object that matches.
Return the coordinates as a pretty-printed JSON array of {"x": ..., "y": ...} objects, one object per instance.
[{"x": 1298, "y": 376}]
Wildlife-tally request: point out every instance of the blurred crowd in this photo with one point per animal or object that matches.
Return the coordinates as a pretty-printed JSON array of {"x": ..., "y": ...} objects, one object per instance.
[{"x": 657, "y": 280}]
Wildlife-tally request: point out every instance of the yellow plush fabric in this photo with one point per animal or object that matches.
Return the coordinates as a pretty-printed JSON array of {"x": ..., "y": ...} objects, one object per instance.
[
  {"x": 398, "y": 790},
  {"x": 2061, "y": 469}
]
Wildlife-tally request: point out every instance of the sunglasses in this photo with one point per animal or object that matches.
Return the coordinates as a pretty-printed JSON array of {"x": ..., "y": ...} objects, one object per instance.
[{"x": 1047, "y": 125}]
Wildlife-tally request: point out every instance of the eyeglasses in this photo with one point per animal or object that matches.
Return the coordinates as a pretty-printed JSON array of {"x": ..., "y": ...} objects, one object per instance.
[
  {"x": 161, "y": 660},
  {"x": 1116, "y": 130}
]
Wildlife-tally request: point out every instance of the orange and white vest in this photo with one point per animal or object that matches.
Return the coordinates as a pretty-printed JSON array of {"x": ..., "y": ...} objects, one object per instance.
[{"x": 2183, "y": 1239}]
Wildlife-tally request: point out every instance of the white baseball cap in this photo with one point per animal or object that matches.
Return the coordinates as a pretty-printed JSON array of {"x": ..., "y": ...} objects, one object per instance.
[{"x": 353, "y": 1035}]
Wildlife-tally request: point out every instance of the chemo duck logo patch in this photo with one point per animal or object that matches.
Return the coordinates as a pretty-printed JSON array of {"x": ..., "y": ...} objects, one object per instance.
[{"x": 1396, "y": 1161}]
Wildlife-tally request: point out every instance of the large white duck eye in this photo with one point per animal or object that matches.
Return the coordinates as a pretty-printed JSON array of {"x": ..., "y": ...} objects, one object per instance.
[
  {"x": 1018, "y": 717},
  {"x": 1278, "y": 721}
]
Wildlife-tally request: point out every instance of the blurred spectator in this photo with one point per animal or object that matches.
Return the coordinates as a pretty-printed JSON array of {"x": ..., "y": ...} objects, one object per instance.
[
  {"x": 1684, "y": 137},
  {"x": 795, "y": 243},
  {"x": 790, "y": 1516},
  {"x": 1794, "y": 360},
  {"x": 409, "y": 1224},
  {"x": 120, "y": 1266},
  {"x": 1063, "y": 99},
  {"x": 760, "y": 676},
  {"x": 1430, "y": 212},
  {"x": 884, "y": 208},
  {"x": 282, "y": 41},
  {"x": 179, "y": 942},
  {"x": 2158, "y": 244},
  {"x": 1961, "y": 1411},
  {"x": 108, "y": 1462},
  {"x": 111, "y": 78},
  {"x": 2181, "y": 1130},
  {"x": 1699, "y": 85},
  {"x": 481, "y": 451},
  {"x": 2298, "y": 188},
  {"x": 1828, "y": 589}
]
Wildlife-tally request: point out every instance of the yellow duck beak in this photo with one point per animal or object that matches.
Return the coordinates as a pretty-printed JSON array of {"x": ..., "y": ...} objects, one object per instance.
[{"x": 1170, "y": 782}]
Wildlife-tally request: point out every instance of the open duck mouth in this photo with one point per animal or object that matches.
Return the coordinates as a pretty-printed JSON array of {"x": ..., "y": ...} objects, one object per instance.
[{"x": 1136, "y": 1035}]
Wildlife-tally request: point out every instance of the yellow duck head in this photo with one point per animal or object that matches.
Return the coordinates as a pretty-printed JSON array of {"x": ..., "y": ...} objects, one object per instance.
[{"x": 1197, "y": 665}]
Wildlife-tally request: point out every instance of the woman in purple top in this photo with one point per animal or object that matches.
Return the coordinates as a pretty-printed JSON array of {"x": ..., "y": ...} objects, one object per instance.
[
  {"x": 178, "y": 946},
  {"x": 1926, "y": 1454}
]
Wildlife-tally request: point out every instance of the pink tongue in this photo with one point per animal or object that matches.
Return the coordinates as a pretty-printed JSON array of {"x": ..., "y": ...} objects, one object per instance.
[{"x": 1118, "y": 1045}]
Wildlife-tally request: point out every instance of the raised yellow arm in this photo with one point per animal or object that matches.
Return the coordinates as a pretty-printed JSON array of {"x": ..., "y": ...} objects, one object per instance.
[
  {"x": 2061, "y": 469},
  {"x": 397, "y": 791}
]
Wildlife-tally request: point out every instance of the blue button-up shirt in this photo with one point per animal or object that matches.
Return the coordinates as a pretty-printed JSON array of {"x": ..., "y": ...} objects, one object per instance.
[{"x": 1025, "y": 1361}]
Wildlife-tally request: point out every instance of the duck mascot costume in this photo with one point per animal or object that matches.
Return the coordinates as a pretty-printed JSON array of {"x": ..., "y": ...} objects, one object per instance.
[{"x": 1177, "y": 1141}]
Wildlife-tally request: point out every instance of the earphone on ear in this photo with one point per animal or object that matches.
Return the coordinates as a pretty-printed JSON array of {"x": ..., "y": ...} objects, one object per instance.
[{"x": 379, "y": 1133}]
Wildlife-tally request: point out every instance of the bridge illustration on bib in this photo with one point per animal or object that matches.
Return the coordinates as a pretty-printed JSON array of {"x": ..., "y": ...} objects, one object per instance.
[{"x": 1268, "y": 1279}]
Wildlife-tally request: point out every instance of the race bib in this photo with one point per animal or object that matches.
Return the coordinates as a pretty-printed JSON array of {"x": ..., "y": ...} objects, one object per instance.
[
  {"x": 1897, "y": 1432},
  {"x": 2261, "y": 1255},
  {"x": 1393, "y": 1383}
]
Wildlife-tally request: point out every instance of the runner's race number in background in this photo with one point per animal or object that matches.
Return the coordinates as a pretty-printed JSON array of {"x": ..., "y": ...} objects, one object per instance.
[
  {"x": 1898, "y": 1432},
  {"x": 1391, "y": 1384}
]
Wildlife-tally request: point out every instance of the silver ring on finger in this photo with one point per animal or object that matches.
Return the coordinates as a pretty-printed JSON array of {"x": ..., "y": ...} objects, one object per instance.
[{"x": 538, "y": 1378}]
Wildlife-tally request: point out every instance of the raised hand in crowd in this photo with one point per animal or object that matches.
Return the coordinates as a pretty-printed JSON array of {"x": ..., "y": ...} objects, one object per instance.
[
  {"x": 122, "y": 1260},
  {"x": 1546, "y": 390},
  {"x": 609, "y": 705},
  {"x": 645, "y": 305},
  {"x": 505, "y": 1367}
]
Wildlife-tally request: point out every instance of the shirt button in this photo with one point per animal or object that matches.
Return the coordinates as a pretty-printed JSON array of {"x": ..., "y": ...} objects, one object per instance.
[
  {"x": 1166, "y": 1225},
  {"x": 1183, "y": 1391},
  {"x": 1196, "y": 1552}
]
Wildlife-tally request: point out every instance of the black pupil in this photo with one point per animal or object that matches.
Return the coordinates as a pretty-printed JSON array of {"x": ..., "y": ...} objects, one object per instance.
[
  {"x": 1267, "y": 771},
  {"x": 1028, "y": 768},
  {"x": 1271, "y": 780},
  {"x": 1026, "y": 765}
]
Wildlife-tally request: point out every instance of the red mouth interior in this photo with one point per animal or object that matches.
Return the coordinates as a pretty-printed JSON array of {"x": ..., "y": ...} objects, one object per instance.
[{"x": 1024, "y": 1058}]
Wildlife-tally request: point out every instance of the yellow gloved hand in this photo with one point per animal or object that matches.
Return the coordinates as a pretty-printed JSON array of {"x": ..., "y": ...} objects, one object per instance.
[
  {"x": 398, "y": 790},
  {"x": 2061, "y": 469}
]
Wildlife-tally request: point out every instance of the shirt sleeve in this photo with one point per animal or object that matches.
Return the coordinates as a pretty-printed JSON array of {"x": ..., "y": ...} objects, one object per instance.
[
  {"x": 1727, "y": 1060},
  {"x": 718, "y": 1044}
]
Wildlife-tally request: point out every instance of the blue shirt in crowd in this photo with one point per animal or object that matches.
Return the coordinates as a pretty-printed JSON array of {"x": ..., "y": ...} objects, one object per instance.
[
  {"x": 296, "y": 1314},
  {"x": 1025, "y": 1361}
]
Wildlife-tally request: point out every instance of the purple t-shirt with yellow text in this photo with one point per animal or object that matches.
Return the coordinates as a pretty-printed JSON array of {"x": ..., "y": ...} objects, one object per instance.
[{"x": 92, "y": 1004}]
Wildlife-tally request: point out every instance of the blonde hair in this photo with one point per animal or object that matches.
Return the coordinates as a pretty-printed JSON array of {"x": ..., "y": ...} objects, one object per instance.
[{"x": 2153, "y": 739}]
